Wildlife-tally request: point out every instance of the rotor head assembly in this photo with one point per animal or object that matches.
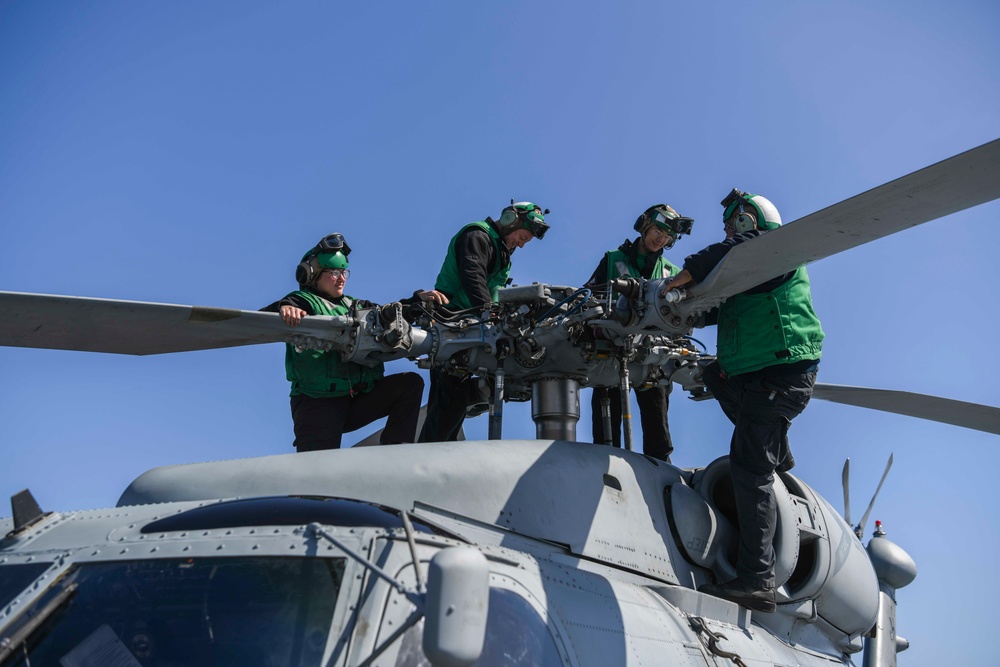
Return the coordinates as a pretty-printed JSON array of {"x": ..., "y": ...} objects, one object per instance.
[
  {"x": 744, "y": 212},
  {"x": 330, "y": 253}
]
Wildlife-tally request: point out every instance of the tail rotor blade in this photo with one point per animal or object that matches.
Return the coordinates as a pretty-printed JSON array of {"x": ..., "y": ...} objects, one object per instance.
[
  {"x": 860, "y": 529},
  {"x": 847, "y": 494}
]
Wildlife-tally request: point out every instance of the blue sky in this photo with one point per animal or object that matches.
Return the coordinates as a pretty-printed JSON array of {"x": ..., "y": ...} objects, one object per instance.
[{"x": 190, "y": 152}]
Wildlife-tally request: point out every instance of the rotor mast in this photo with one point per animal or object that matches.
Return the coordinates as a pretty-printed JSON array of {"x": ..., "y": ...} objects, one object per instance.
[{"x": 555, "y": 408}]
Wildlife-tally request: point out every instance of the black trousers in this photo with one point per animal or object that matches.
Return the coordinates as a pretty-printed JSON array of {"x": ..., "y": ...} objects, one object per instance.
[
  {"x": 446, "y": 402},
  {"x": 761, "y": 405},
  {"x": 320, "y": 422},
  {"x": 653, "y": 404}
]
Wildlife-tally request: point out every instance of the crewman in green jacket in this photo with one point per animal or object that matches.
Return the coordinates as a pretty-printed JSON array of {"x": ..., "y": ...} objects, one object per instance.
[
  {"x": 659, "y": 227},
  {"x": 475, "y": 267},
  {"x": 769, "y": 346},
  {"x": 329, "y": 396}
]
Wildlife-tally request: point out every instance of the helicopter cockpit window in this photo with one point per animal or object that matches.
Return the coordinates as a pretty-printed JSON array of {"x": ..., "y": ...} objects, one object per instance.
[
  {"x": 516, "y": 636},
  {"x": 191, "y": 612},
  {"x": 15, "y": 578},
  {"x": 284, "y": 511}
]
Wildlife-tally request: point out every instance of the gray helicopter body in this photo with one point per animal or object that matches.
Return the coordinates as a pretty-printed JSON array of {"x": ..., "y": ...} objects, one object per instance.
[{"x": 595, "y": 555}]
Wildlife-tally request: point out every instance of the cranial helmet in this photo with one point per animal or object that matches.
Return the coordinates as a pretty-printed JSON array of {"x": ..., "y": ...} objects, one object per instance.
[
  {"x": 749, "y": 211},
  {"x": 524, "y": 215},
  {"x": 330, "y": 253},
  {"x": 334, "y": 260},
  {"x": 666, "y": 218}
]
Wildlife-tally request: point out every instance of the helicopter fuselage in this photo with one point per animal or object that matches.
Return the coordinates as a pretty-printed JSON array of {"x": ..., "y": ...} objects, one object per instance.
[{"x": 594, "y": 556}]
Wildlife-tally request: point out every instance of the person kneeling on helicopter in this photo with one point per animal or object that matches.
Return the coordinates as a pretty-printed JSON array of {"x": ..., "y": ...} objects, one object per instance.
[
  {"x": 769, "y": 346},
  {"x": 659, "y": 227},
  {"x": 329, "y": 396}
]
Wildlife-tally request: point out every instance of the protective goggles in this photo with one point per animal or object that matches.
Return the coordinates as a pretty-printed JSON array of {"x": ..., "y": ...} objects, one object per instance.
[
  {"x": 736, "y": 200},
  {"x": 333, "y": 243},
  {"x": 672, "y": 223},
  {"x": 532, "y": 218},
  {"x": 535, "y": 224}
]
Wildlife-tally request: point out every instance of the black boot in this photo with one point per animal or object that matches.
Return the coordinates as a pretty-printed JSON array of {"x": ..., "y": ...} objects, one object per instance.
[{"x": 743, "y": 594}]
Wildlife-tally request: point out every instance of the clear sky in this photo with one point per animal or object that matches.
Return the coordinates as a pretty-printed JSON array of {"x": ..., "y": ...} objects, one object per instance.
[{"x": 190, "y": 152}]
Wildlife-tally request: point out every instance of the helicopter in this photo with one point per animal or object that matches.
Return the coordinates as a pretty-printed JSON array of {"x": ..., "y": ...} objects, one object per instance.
[{"x": 497, "y": 552}]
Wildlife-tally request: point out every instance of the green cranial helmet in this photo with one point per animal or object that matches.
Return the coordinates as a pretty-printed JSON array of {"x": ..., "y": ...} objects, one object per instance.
[
  {"x": 666, "y": 218},
  {"x": 744, "y": 212},
  {"x": 524, "y": 215},
  {"x": 335, "y": 260}
]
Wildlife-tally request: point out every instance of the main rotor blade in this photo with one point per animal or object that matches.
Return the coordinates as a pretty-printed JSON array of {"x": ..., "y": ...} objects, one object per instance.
[
  {"x": 134, "y": 327},
  {"x": 955, "y": 184},
  {"x": 934, "y": 408}
]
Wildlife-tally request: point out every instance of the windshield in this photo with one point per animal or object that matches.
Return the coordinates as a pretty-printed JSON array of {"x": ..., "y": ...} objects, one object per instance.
[
  {"x": 15, "y": 578},
  {"x": 190, "y": 612}
]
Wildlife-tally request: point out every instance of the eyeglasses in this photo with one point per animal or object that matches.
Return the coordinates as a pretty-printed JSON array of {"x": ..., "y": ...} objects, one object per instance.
[
  {"x": 660, "y": 234},
  {"x": 338, "y": 273},
  {"x": 665, "y": 236}
]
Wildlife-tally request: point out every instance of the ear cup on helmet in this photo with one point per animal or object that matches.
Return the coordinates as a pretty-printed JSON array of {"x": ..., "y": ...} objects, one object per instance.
[
  {"x": 507, "y": 217},
  {"x": 307, "y": 271},
  {"x": 744, "y": 222}
]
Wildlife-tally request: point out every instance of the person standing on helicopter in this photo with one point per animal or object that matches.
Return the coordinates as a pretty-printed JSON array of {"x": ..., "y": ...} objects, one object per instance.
[
  {"x": 329, "y": 396},
  {"x": 769, "y": 345},
  {"x": 476, "y": 266},
  {"x": 659, "y": 227}
]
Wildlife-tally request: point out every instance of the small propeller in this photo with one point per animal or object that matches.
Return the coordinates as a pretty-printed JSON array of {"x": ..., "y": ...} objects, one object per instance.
[
  {"x": 847, "y": 494},
  {"x": 845, "y": 479},
  {"x": 859, "y": 530}
]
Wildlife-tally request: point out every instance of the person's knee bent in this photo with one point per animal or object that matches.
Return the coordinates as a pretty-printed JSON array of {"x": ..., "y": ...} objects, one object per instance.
[
  {"x": 407, "y": 387},
  {"x": 412, "y": 383}
]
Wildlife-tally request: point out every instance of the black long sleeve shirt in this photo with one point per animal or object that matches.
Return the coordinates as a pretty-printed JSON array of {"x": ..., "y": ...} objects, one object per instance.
[
  {"x": 477, "y": 258},
  {"x": 701, "y": 263}
]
